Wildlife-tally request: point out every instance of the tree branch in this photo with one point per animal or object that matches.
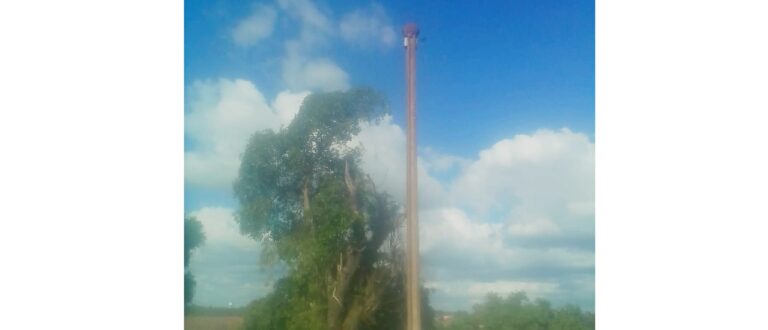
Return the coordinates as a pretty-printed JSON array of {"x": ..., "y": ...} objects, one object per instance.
[
  {"x": 350, "y": 187},
  {"x": 307, "y": 215}
]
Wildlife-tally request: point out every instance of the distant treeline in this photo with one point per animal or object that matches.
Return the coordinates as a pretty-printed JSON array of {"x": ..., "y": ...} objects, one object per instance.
[
  {"x": 517, "y": 312},
  {"x": 213, "y": 311}
]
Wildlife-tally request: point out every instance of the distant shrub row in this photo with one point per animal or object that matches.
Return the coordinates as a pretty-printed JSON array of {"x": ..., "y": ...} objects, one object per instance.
[
  {"x": 517, "y": 312},
  {"x": 213, "y": 311}
]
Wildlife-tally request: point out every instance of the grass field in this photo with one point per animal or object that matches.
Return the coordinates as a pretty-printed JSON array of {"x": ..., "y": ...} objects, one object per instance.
[
  {"x": 213, "y": 318},
  {"x": 212, "y": 322}
]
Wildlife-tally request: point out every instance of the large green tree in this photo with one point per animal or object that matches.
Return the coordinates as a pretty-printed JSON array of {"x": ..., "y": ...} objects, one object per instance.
[
  {"x": 303, "y": 193},
  {"x": 193, "y": 238}
]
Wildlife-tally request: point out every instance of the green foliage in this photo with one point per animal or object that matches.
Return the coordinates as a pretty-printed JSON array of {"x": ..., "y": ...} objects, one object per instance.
[
  {"x": 193, "y": 238},
  {"x": 275, "y": 166},
  {"x": 303, "y": 194},
  {"x": 517, "y": 312},
  {"x": 287, "y": 308},
  {"x": 189, "y": 287}
]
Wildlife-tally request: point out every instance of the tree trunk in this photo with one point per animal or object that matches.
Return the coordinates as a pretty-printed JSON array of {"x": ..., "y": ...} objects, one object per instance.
[
  {"x": 364, "y": 306},
  {"x": 337, "y": 300},
  {"x": 351, "y": 189},
  {"x": 346, "y": 311}
]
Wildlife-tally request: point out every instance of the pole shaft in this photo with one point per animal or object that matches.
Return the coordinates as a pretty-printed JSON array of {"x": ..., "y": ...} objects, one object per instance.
[{"x": 413, "y": 299}]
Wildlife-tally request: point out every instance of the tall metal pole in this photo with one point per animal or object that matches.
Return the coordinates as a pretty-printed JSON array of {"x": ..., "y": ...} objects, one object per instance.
[{"x": 413, "y": 294}]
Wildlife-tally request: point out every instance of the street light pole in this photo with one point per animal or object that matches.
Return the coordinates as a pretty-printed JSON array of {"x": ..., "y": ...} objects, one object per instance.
[{"x": 413, "y": 294}]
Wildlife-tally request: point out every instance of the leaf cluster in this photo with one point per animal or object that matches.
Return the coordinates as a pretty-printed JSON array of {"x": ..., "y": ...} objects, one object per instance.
[{"x": 310, "y": 153}]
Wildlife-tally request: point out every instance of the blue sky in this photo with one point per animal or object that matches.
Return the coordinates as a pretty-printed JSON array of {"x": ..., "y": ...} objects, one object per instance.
[{"x": 506, "y": 130}]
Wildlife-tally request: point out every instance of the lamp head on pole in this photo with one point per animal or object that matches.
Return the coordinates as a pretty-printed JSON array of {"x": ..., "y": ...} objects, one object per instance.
[{"x": 410, "y": 30}]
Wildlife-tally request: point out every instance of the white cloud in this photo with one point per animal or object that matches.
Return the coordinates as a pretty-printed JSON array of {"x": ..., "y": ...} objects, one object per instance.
[
  {"x": 302, "y": 69},
  {"x": 582, "y": 208},
  {"x": 532, "y": 227},
  {"x": 448, "y": 226},
  {"x": 315, "y": 28},
  {"x": 287, "y": 105},
  {"x": 368, "y": 27},
  {"x": 306, "y": 12},
  {"x": 533, "y": 184},
  {"x": 547, "y": 175},
  {"x": 514, "y": 218},
  {"x": 384, "y": 160},
  {"x": 221, "y": 229},
  {"x": 436, "y": 161},
  {"x": 303, "y": 66},
  {"x": 256, "y": 27},
  {"x": 314, "y": 74},
  {"x": 222, "y": 116},
  {"x": 384, "y": 155}
]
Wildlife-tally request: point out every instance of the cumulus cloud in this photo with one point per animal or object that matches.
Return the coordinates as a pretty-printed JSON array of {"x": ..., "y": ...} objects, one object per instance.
[
  {"x": 307, "y": 13},
  {"x": 384, "y": 160},
  {"x": 368, "y": 27},
  {"x": 302, "y": 68},
  {"x": 320, "y": 74},
  {"x": 222, "y": 115},
  {"x": 452, "y": 242},
  {"x": 287, "y": 105},
  {"x": 543, "y": 182},
  {"x": 438, "y": 162},
  {"x": 256, "y": 27},
  {"x": 520, "y": 216},
  {"x": 532, "y": 227},
  {"x": 447, "y": 225}
]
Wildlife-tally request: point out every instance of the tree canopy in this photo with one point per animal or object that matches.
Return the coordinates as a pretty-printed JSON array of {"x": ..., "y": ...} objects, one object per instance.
[
  {"x": 302, "y": 192},
  {"x": 194, "y": 237}
]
